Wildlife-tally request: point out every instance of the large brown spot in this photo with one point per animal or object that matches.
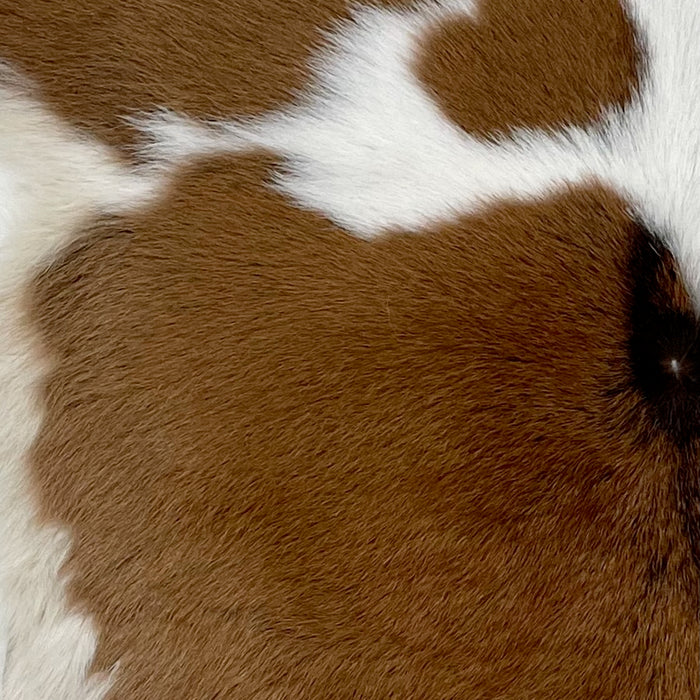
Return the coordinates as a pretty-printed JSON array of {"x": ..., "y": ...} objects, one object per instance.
[
  {"x": 99, "y": 60},
  {"x": 302, "y": 465},
  {"x": 541, "y": 64}
]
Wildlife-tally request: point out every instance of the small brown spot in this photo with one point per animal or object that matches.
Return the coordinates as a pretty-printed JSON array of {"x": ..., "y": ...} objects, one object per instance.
[
  {"x": 302, "y": 465},
  {"x": 541, "y": 64}
]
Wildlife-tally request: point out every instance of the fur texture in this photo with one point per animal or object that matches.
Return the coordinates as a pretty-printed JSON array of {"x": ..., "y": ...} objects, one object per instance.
[
  {"x": 269, "y": 459},
  {"x": 98, "y": 61},
  {"x": 369, "y": 148},
  {"x": 491, "y": 71},
  {"x": 51, "y": 183},
  {"x": 420, "y": 467}
]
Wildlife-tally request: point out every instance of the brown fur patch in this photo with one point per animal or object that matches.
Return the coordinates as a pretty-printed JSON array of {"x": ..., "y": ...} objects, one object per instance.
[
  {"x": 302, "y": 465},
  {"x": 541, "y": 64},
  {"x": 97, "y": 60}
]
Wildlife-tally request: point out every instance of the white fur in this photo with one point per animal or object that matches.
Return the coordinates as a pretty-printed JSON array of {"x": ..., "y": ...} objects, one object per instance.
[
  {"x": 655, "y": 156},
  {"x": 4, "y": 634},
  {"x": 52, "y": 181},
  {"x": 367, "y": 147}
]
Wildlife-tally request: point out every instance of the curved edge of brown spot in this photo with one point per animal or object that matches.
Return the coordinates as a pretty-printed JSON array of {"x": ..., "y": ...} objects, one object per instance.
[
  {"x": 664, "y": 348},
  {"x": 535, "y": 64},
  {"x": 96, "y": 61}
]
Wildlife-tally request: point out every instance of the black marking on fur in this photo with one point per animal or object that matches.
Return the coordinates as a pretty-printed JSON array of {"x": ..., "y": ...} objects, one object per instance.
[
  {"x": 664, "y": 345},
  {"x": 664, "y": 351}
]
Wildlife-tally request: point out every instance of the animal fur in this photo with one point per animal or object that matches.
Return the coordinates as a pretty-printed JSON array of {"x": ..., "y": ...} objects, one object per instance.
[{"x": 349, "y": 352}]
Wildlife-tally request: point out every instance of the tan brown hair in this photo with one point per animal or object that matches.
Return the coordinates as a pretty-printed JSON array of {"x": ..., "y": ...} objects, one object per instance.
[
  {"x": 97, "y": 61},
  {"x": 297, "y": 464},
  {"x": 539, "y": 64}
]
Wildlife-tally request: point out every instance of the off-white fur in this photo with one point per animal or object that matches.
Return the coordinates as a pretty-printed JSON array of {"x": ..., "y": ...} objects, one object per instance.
[
  {"x": 52, "y": 180},
  {"x": 366, "y": 147}
]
